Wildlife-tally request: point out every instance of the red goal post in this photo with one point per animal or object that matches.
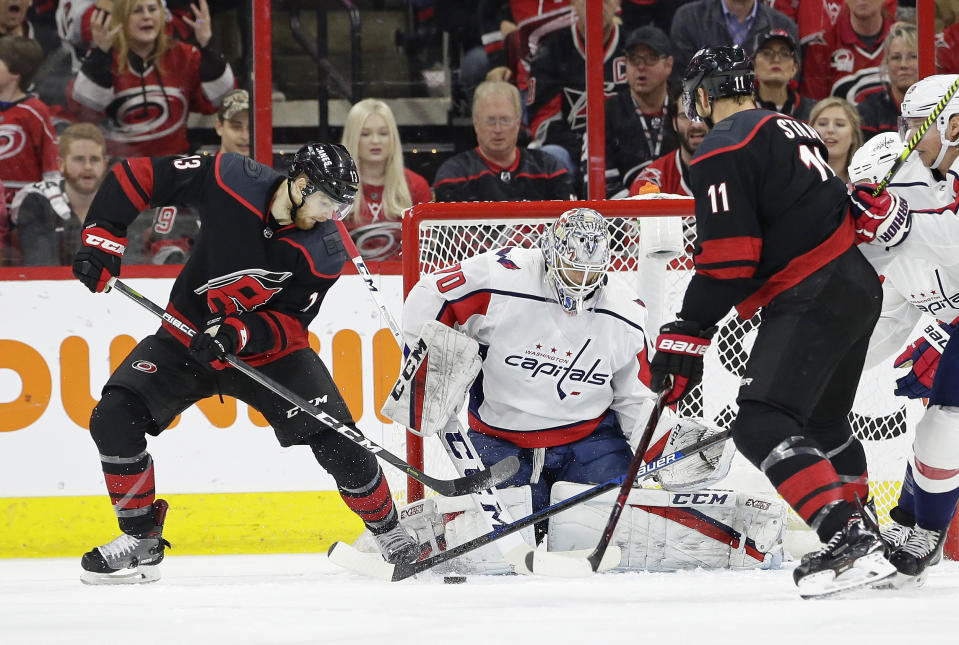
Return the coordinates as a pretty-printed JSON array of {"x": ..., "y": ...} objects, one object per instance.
[{"x": 438, "y": 235}]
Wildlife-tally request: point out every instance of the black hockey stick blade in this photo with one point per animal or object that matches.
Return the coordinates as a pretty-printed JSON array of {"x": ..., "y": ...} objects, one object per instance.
[
  {"x": 373, "y": 565},
  {"x": 492, "y": 476}
]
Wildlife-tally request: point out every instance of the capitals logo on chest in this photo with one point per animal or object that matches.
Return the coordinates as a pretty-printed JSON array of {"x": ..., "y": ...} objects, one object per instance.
[
  {"x": 243, "y": 290},
  {"x": 561, "y": 364}
]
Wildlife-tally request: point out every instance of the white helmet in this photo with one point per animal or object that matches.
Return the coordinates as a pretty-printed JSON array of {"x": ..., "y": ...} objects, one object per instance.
[
  {"x": 577, "y": 241},
  {"x": 919, "y": 101},
  {"x": 873, "y": 160}
]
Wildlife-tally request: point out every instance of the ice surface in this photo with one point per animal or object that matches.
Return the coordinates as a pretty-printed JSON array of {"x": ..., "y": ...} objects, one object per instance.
[{"x": 305, "y": 599}]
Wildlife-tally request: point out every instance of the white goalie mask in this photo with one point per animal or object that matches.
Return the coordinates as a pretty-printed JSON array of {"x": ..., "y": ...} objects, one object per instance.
[
  {"x": 918, "y": 103},
  {"x": 576, "y": 250}
]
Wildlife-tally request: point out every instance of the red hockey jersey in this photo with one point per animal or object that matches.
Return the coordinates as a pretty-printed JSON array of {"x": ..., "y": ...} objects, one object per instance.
[
  {"x": 144, "y": 110},
  {"x": 28, "y": 144},
  {"x": 666, "y": 173},
  {"x": 840, "y": 64}
]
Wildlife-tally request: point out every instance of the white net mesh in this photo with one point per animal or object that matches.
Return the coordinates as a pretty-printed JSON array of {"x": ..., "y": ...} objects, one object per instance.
[{"x": 882, "y": 421}]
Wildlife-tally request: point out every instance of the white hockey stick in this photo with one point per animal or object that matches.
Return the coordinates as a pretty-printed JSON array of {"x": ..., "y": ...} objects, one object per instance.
[{"x": 491, "y": 508}]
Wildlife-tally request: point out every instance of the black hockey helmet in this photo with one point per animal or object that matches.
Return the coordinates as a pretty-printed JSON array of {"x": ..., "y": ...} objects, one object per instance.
[
  {"x": 328, "y": 167},
  {"x": 721, "y": 71}
]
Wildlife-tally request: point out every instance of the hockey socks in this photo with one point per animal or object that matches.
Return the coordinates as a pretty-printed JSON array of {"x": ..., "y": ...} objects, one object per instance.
[
  {"x": 373, "y": 503},
  {"x": 130, "y": 485}
]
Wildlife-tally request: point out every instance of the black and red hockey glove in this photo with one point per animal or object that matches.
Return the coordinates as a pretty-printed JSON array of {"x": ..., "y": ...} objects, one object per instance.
[
  {"x": 677, "y": 365},
  {"x": 101, "y": 250},
  {"x": 222, "y": 336},
  {"x": 884, "y": 219}
]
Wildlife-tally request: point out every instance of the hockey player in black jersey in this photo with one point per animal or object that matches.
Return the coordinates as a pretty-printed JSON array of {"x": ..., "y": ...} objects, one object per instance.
[
  {"x": 267, "y": 253},
  {"x": 774, "y": 231}
]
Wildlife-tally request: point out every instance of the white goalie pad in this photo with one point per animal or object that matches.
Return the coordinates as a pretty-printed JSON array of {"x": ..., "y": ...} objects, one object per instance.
[
  {"x": 696, "y": 471},
  {"x": 432, "y": 384},
  {"x": 667, "y": 531},
  {"x": 446, "y": 522}
]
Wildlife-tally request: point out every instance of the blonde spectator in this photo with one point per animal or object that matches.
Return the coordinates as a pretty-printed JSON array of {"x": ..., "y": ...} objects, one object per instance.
[
  {"x": 388, "y": 187},
  {"x": 143, "y": 84},
  {"x": 900, "y": 69},
  {"x": 837, "y": 122}
]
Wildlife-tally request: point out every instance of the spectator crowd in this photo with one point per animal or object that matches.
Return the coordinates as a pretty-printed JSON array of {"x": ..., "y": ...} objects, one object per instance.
[{"x": 87, "y": 83}]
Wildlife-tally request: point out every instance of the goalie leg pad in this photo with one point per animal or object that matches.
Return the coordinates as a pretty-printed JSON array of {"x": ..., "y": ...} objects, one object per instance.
[
  {"x": 432, "y": 384},
  {"x": 665, "y": 531}
]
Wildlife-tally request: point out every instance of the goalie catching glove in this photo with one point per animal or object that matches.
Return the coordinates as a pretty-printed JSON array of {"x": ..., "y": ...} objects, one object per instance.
[
  {"x": 432, "y": 384},
  {"x": 923, "y": 357},
  {"x": 698, "y": 471},
  {"x": 680, "y": 348},
  {"x": 884, "y": 219}
]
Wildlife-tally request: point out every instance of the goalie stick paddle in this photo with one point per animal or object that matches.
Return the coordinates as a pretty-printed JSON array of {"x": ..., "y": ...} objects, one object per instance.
[
  {"x": 914, "y": 141},
  {"x": 577, "y": 567},
  {"x": 495, "y": 474},
  {"x": 373, "y": 565}
]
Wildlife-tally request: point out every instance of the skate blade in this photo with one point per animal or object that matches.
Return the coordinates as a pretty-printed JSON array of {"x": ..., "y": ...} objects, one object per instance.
[
  {"x": 902, "y": 581},
  {"x": 139, "y": 576},
  {"x": 867, "y": 571}
]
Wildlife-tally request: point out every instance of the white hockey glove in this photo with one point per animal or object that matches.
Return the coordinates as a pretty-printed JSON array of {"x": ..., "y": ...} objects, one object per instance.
[
  {"x": 432, "y": 384},
  {"x": 698, "y": 471}
]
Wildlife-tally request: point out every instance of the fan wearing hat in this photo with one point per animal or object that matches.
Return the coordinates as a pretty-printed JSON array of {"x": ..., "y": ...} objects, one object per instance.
[
  {"x": 233, "y": 122},
  {"x": 638, "y": 129},
  {"x": 776, "y": 61}
]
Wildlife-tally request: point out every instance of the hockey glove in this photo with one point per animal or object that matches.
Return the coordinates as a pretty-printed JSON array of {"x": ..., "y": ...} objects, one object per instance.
[
  {"x": 222, "y": 336},
  {"x": 679, "y": 354},
  {"x": 882, "y": 220},
  {"x": 923, "y": 357},
  {"x": 99, "y": 257}
]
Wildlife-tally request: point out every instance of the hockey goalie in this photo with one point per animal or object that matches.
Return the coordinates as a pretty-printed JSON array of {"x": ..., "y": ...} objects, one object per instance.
[{"x": 553, "y": 352}]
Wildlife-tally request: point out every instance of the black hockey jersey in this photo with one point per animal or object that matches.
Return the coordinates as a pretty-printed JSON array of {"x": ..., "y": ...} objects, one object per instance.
[
  {"x": 769, "y": 212},
  {"x": 556, "y": 93},
  {"x": 471, "y": 177},
  {"x": 633, "y": 140},
  {"x": 243, "y": 261}
]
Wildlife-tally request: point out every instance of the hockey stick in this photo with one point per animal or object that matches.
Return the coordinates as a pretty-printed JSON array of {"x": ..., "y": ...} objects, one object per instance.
[
  {"x": 914, "y": 141},
  {"x": 495, "y": 474},
  {"x": 373, "y": 565},
  {"x": 364, "y": 272},
  {"x": 591, "y": 564}
]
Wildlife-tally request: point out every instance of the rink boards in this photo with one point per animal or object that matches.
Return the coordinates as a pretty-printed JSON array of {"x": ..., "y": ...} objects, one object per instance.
[{"x": 231, "y": 487}]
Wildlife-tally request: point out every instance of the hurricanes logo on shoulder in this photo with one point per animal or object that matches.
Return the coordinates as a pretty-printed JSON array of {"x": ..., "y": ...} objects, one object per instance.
[{"x": 145, "y": 366}]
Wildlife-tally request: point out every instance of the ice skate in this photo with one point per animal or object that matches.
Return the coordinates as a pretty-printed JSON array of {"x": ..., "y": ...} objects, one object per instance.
[
  {"x": 853, "y": 558},
  {"x": 921, "y": 550},
  {"x": 397, "y": 546},
  {"x": 128, "y": 559}
]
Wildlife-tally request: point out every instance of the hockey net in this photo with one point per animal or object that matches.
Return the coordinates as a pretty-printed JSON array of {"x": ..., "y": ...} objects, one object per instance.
[{"x": 438, "y": 235}]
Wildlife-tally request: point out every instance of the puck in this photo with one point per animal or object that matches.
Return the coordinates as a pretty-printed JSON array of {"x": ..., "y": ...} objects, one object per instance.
[{"x": 454, "y": 580}]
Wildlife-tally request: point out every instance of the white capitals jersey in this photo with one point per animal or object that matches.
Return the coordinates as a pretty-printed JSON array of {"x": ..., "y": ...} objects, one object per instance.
[
  {"x": 920, "y": 275},
  {"x": 548, "y": 378}
]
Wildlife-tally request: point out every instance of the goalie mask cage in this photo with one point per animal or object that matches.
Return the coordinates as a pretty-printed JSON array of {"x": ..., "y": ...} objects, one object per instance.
[{"x": 438, "y": 235}]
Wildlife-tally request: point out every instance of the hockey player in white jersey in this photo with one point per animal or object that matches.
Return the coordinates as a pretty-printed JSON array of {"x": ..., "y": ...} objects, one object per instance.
[
  {"x": 563, "y": 386},
  {"x": 565, "y": 359},
  {"x": 921, "y": 269}
]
